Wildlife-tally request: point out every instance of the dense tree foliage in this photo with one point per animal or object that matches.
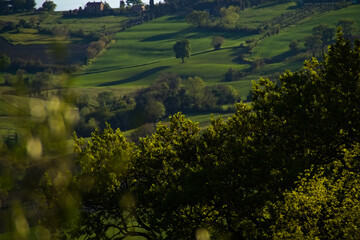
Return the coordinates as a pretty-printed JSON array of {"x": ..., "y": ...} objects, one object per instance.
[
  {"x": 285, "y": 166},
  {"x": 22, "y": 5}
]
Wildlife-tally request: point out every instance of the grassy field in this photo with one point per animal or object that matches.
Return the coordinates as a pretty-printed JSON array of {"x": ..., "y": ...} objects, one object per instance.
[
  {"x": 256, "y": 16},
  {"x": 142, "y": 53}
]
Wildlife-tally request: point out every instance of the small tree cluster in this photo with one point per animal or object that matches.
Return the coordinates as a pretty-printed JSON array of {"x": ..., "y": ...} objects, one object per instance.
[
  {"x": 186, "y": 95},
  {"x": 96, "y": 47},
  {"x": 34, "y": 86},
  {"x": 106, "y": 107},
  {"x": 323, "y": 34},
  {"x": 227, "y": 18},
  {"x": 233, "y": 75}
]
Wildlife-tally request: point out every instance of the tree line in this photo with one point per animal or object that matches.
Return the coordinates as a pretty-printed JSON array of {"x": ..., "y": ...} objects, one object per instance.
[
  {"x": 168, "y": 95},
  {"x": 14, "y": 6}
]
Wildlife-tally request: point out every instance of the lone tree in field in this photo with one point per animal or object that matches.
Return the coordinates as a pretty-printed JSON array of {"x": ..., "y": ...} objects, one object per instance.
[
  {"x": 217, "y": 42},
  {"x": 182, "y": 49}
]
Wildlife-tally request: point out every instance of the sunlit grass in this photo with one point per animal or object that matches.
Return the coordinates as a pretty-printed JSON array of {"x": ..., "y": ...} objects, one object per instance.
[{"x": 253, "y": 17}]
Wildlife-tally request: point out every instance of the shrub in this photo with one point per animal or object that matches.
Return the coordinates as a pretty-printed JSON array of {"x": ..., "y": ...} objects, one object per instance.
[
  {"x": 217, "y": 42},
  {"x": 233, "y": 75},
  {"x": 294, "y": 45}
]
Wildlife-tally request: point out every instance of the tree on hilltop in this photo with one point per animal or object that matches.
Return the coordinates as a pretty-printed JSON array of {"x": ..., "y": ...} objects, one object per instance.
[{"x": 48, "y": 6}]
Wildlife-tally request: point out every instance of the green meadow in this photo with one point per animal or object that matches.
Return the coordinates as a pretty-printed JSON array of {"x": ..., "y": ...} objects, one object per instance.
[
  {"x": 256, "y": 16},
  {"x": 140, "y": 54}
]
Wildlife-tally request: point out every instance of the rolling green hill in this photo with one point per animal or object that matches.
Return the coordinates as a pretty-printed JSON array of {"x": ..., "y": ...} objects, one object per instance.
[{"x": 142, "y": 53}]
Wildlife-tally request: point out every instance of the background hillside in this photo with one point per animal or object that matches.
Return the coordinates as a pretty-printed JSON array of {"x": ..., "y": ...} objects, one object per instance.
[
  {"x": 124, "y": 56},
  {"x": 140, "y": 54}
]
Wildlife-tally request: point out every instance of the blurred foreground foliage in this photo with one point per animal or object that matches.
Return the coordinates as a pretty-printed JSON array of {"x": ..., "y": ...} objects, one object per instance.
[{"x": 285, "y": 167}]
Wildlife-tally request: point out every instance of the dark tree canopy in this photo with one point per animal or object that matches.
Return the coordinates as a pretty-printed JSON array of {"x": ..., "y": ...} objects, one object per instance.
[
  {"x": 48, "y": 6},
  {"x": 325, "y": 32},
  {"x": 348, "y": 26},
  {"x": 182, "y": 49},
  {"x": 22, "y": 5}
]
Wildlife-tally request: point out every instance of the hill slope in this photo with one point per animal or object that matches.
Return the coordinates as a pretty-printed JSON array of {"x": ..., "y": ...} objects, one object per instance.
[{"x": 142, "y": 53}]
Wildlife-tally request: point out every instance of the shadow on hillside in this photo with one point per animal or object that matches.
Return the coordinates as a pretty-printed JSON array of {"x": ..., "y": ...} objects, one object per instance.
[
  {"x": 199, "y": 33},
  {"x": 266, "y": 5},
  {"x": 279, "y": 58},
  {"x": 238, "y": 55},
  {"x": 135, "y": 77},
  {"x": 167, "y": 36},
  {"x": 176, "y": 18},
  {"x": 194, "y": 33}
]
